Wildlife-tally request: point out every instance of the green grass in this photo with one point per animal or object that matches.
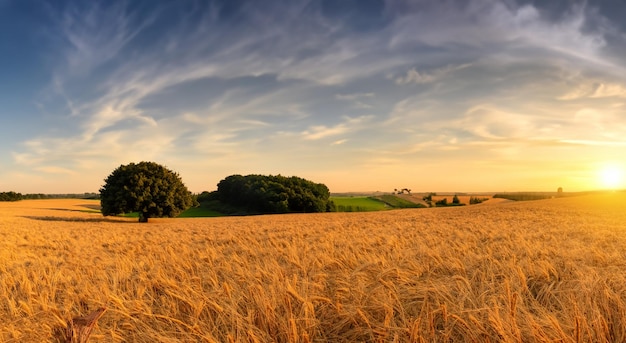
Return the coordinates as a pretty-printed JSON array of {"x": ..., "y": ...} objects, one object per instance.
[
  {"x": 358, "y": 204},
  {"x": 193, "y": 212},
  {"x": 200, "y": 211}
]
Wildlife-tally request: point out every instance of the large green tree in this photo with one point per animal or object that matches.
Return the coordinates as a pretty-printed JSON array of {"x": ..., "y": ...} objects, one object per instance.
[{"x": 147, "y": 188}]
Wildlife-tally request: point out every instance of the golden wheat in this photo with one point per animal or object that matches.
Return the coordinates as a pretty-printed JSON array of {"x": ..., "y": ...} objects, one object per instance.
[{"x": 551, "y": 270}]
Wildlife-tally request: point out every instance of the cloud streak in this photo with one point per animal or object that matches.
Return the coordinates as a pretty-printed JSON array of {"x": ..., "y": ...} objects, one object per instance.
[
  {"x": 403, "y": 85},
  {"x": 413, "y": 76}
]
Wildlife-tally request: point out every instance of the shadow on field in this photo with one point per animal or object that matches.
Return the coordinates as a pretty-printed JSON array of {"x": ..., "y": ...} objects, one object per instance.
[
  {"x": 96, "y": 207},
  {"x": 87, "y": 210},
  {"x": 79, "y": 219}
]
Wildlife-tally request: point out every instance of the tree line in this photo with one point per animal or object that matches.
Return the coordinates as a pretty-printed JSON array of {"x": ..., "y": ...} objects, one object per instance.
[
  {"x": 15, "y": 196},
  {"x": 10, "y": 196}
]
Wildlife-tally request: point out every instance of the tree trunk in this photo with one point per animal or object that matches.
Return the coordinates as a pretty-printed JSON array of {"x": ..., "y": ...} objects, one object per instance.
[{"x": 143, "y": 217}]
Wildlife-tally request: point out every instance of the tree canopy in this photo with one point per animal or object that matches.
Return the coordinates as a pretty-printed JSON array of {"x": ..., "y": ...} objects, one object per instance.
[
  {"x": 274, "y": 194},
  {"x": 147, "y": 188}
]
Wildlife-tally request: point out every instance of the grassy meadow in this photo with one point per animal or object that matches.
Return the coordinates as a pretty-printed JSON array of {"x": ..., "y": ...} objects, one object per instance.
[
  {"x": 358, "y": 204},
  {"x": 375, "y": 203},
  {"x": 538, "y": 271}
]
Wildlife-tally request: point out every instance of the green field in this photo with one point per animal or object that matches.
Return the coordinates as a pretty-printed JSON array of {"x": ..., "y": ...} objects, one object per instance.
[
  {"x": 200, "y": 211},
  {"x": 193, "y": 212},
  {"x": 358, "y": 204}
]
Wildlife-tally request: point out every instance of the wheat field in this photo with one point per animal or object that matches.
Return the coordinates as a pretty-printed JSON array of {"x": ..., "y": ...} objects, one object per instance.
[{"x": 541, "y": 271}]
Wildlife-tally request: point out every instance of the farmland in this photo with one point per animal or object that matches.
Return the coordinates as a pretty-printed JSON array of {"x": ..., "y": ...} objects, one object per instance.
[
  {"x": 536, "y": 271},
  {"x": 358, "y": 204},
  {"x": 374, "y": 203}
]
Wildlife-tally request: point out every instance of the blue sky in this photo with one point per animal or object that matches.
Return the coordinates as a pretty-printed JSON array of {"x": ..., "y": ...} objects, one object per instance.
[{"x": 361, "y": 95}]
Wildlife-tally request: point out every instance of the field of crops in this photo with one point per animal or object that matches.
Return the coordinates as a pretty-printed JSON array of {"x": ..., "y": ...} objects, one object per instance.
[
  {"x": 358, "y": 204},
  {"x": 539, "y": 271}
]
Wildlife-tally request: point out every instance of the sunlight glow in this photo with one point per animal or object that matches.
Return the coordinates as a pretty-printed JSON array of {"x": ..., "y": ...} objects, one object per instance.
[{"x": 612, "y": 177}]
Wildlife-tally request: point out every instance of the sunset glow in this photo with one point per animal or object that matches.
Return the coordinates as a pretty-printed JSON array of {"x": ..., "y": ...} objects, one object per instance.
[
  {"x": 361, "y": 95},
  {"x": 612, "y": 177}
]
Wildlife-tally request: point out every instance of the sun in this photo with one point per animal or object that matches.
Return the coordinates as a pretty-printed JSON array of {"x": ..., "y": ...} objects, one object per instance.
[{"x": 611, "y": 177}]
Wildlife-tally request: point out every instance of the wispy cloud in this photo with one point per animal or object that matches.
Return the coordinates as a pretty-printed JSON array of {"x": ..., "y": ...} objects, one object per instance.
[
  {"x": 356, "y": 99},
  {"x": 413, "y": 76},
  {"x": 339, "y": 142},
  {"x": 409, "y": 84},
  {"x": 56, "y": 170},
  {"x": 348, "y": 125},
  {"x": 97, "y": 32},
  {"x": 596, "y": 143},
  {"x": 320, "y": 131},
  {"x": 354, "y": 96},
  {"x": 598, "y": 89},
  {"x": 482, "y": 23}
]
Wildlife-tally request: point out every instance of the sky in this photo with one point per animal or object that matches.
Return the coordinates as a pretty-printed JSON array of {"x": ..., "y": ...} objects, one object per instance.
[{"x": 361, "y": 95}]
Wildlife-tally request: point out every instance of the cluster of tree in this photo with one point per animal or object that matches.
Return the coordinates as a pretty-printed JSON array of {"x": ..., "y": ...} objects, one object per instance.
[
  {"x": 10, "y": 196},
  {"x": 455, "y": 200},
  {"x": 273, "y": 194},
  {"x": 428, "y": 198},
  {"x": 476, "y": 200},
  {"x": 152, "y": 190},
  {"x": 444, "y": 202},
  {"x": 401, "y": 191}
]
